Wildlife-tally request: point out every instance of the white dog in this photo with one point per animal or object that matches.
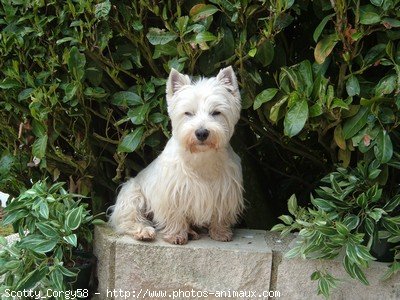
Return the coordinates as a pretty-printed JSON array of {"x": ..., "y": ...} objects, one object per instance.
[{"x": 197, "y": 180}]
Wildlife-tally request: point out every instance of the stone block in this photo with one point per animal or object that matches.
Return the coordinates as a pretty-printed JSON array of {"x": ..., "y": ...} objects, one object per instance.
[
  {"x": 294, "y": 282},
  {"x": 253, "y": 262},
  {"x": 104, "y": 250},
  {"x": 199, "y": 267}
]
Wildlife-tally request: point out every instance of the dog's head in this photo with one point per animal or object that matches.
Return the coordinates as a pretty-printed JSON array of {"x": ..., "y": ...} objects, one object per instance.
[{"x": 204, "y": 112}]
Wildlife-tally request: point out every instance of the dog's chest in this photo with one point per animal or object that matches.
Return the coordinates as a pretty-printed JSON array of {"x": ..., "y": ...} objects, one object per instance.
[{"x": 200, "y": 197}]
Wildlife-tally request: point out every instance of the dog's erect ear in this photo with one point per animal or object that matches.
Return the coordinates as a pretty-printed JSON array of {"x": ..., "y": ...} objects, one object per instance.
[
  {"x": 227, "y": 77},
  {"x": 175, "y": 82}
]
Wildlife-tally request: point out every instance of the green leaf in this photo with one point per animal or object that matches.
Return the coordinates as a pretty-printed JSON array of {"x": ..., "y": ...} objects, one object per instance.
[
  {"x": 169, "y": 49},
  {"x": 56, "y": 187},
  {"x": 337, "y": 102},
  {"x": 265, "y": 53},
  {"x": 181, "y": 23},
  {"x": 339, "y": 138},
  {"x": 323, "y": 204},
  {"x": 156, "y": 118},
  {"x": 325, "y": 47},
  {"x": 126, "y": 99},
  {"x": 12, "y": 265},
  {"x": 278, "y": 227},
  {"x": 292, "y": 204},
  {"x": 47, "y": 229},
  {"x": 202, "y": 11},
  {"x": 363, "y": 253},
  {"x": 348, "y": 266},
  {"x": 376, "y": 214},
  {"x": 9, "y": 83},
  {"x": 386, "y": 85},
  {"x": 316, "y": 275},
  {"x": 292, "y": 253},
  {"x": 71, "y": 239},
  {"x": 383, "y": 148},
  {"x": 263, "y": 97},
  {"x": 374, "y": 54},
  {"x": 131, "y": 141},
  {"x": 352, "y": 86},
  {"x": 3, "y": 241},
  {"x": 296, "y": 118},
  {"x": 321, "y": 26},
  {"x": 288, "y": 220},
  {"x": 374, "y": 174},
  {"x": 73, "y": 218},
  {"x": 394, "y": 268},
  {"x": 38, "y": 243},
  {"x": 389, "y": 22},
  {"x": 12, "y": 217},
  {"x": 276, "y": 110},
  {"x": 342, "y": 229},
  {"x": 351, "y": 221},
  {"x": 158, "y": 36},
  {"x": 362, "y": 200},
  {"x": 102, "y": 9},
  {"x": 377, "y": 2},
  {"x": 316, "y": 110},
  {"x": 66, "y": 271},
  {"x": 44, "y": 210},
  {"x": 351, "y": 253},
  {"x": 392, "y": 204},
  {"x": 369, "y": 225},
  {"x": 25, "y": 94},
  {"x": 57, "y": 279},
  {"x": 39, "y": 128},
  {"x": 98, "y": 222},
  {"x": 31, "y": 279},
  {"x": 353, "y": 125},
  {"x": 360, "y": 275},
  {"x": 6, "y": 163},
  {"x": 139, "y": 114},
  {"x": 369, "y": 15},
  {"x": 204, "y": 36},
  {"x": 39, "y": 147},
  {"x": 323, "y": 287},
  {"x": 76, "y": 63},
  {"x": 306, "y": 75}
]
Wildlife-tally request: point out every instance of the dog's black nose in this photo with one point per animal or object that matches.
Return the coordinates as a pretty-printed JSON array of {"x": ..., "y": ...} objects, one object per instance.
[{"x": 202, "y": 134}]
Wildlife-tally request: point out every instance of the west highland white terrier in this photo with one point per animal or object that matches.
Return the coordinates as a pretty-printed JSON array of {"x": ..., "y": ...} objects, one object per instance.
[{"x": 197, "y": 179}]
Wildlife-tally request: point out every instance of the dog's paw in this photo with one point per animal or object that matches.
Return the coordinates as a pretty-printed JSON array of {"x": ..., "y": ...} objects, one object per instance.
[
  {"x": 224, "y": 235},
  {"x": 193, "y": 235},
  {"x": 147, "y": 233},
  {"x": 177, "y": 239}
]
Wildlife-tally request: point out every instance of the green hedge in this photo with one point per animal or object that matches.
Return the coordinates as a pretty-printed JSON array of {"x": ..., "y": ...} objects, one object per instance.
[{"x": 82, "y": 89}]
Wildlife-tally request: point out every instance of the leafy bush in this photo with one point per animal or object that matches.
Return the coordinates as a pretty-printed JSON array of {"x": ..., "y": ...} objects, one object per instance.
[
  {"x": 51, "y": 224},
  {"x": 350, "y": 215},
  {"x": 82, "y": 95}
]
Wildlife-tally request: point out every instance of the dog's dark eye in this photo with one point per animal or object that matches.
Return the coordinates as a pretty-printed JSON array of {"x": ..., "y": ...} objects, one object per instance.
[
  {"x": 189, "y": 114},
  {"x": 215, "y": 113}
]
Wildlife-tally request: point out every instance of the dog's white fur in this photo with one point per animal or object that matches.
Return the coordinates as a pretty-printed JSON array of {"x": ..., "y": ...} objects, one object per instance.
[{"x": 192, "y": 182}]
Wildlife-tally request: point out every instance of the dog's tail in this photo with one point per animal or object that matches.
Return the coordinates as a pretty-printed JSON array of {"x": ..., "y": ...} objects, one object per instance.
[{"x": 128, "y": 215}]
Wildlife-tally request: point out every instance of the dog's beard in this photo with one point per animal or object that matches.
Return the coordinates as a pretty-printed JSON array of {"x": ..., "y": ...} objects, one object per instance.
[
  {"x": 214, "y": 141},
  {"x": 195, "y": 146}
]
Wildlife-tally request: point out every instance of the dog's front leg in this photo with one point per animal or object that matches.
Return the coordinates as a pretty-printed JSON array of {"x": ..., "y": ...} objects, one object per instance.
[
  {"x": 220, "y": 230},
  {"x": 176, "y": 232}
]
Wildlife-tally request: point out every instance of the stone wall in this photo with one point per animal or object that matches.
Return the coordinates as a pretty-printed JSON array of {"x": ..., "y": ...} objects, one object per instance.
[{"x": 252, "y": 266}]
